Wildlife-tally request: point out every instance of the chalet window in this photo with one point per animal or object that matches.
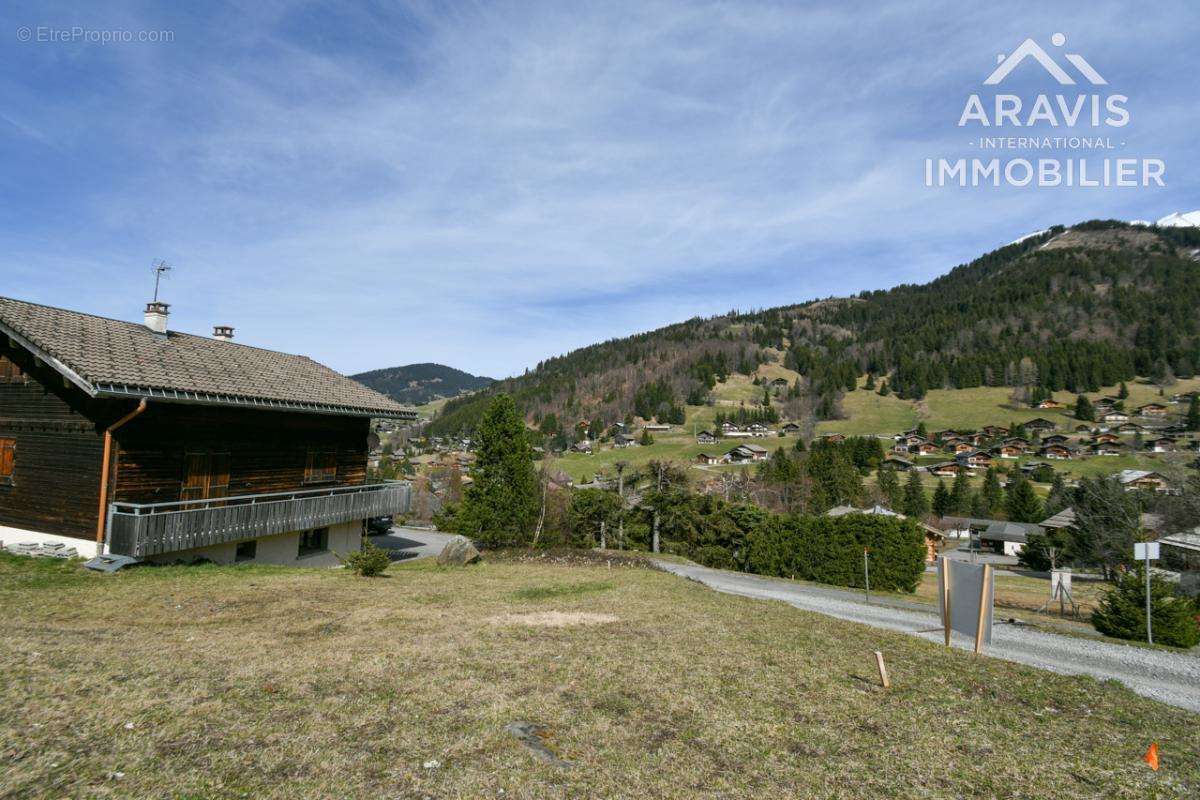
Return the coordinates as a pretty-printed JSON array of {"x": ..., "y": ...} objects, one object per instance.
[
  {"x": 205, "y": 475},
  {"x": 314, "y": 541},
  {"x": 321, "y": 466},
  {"x": 8, "y": 461},
  {"x": 10, "y": 372}
]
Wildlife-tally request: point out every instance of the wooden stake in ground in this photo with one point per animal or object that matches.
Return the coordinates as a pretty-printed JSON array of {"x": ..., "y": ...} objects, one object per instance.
[
  {"x": 944, "y": 577},
  {"x": 983, "y": 608},
  {"x": 883, "y": 676}
]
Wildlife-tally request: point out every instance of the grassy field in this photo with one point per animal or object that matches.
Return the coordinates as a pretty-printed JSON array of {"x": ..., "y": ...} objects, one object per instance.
[
  {"x": 224, "y": 682},
  {"x": 677, "y": 447},
  {"x": 969, "y": 409}
]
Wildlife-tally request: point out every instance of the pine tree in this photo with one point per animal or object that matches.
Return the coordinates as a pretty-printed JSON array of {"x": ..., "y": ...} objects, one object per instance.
[
  {"x": 1192, "y": 421},
  {"x": 960, "y": 493},
  {"x": 1022, "y": 503},
  {"x": 915, "y": 503},
  {"x": 1122, "y": 612},
  {"x": 1083, "y": 409},
  {"x": 1123, "y": 392},
  {"x": 993, "y": 495},
  {"x": 889, "y": 488},
  {"x": 941, "y": 499},
  {"x": 500, "y": 507},
  {"x": 884, "y": 391}
]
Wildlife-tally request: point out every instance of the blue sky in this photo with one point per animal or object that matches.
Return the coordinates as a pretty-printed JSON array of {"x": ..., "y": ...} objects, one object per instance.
[{"x": 489, "y": 184}]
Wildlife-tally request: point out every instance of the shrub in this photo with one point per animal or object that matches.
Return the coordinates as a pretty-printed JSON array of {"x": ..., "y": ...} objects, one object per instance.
[
  {"x": 1122, "y": 612},
  {"x": 830, "y": 550},
  {"x": 368, "y": 562}
]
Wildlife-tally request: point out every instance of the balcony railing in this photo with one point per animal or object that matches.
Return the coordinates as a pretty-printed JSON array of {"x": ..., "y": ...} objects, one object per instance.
[{"x": 145, "y": 529}]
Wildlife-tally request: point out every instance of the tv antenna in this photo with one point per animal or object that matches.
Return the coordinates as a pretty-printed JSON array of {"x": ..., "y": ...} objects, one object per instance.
[{"x": 161, "y": 268}]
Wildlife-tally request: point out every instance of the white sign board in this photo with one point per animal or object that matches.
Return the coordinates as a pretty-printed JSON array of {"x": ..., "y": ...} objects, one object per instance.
[
  {"x": 1145, "y": 551},
  {"x": 1060, "y": 583},
  {"x": 966, "y": 599}
]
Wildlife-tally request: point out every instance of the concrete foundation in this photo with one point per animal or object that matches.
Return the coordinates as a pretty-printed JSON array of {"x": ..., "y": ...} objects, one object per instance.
[{"x": 282, "y": 549}]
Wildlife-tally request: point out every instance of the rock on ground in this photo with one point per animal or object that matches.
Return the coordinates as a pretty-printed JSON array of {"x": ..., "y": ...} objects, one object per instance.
[{"x": 458, "y": 552}]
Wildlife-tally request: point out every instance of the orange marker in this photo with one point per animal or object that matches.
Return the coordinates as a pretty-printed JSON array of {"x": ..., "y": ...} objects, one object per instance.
[{"x": 1151, "y": 756}]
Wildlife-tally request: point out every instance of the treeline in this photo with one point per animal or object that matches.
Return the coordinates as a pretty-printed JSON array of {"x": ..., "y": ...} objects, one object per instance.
[{"x": 1120, "y": 302}]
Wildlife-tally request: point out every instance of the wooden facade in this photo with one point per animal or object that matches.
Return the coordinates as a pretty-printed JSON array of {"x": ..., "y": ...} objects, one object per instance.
[{"x": 168, "y": 453}]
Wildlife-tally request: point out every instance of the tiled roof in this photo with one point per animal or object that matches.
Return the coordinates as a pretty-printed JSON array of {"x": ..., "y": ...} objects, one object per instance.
[{"x": 117, "y": 358}]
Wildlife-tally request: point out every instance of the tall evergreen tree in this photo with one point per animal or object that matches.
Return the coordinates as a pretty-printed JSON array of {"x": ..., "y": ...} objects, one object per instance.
[
  {"x": 1123, "y": 392},
  {"x": 500, "y": 507},
  {"x": 889, "y": 488},
  {"x": 915, "y": 503},
  {"x": 1083, "y": 409},
  {"x": 1192, "y": 421},
  {"x": 960, "y": 493},
  {"x": 1022, "y": 503},
  {"x": 993, "y": 495},
  {"x": 941, "y": 499}
]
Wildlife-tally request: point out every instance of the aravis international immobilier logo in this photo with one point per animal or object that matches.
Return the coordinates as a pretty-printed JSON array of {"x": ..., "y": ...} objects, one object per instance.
[{"x": 1061, "y": 137}]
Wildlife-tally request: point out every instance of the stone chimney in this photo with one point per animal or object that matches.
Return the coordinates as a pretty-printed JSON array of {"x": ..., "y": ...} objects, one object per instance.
[
  {"x": 156, "y": 316},
  {"x": 223, "y": 332}
]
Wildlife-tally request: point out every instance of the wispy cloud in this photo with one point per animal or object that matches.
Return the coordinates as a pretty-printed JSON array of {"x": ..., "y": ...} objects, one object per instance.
[{"x": 490, "y": 184}]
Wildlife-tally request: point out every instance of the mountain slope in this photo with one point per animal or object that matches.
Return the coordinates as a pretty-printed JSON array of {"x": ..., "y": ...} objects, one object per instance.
[
  {"x": 415, "y": 384},
  {"x": 1066, "y": 309}
]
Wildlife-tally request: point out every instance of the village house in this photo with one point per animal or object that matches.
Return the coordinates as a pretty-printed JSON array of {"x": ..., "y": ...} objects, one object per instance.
[
  {"x": 1144, "y": 480},
  {"x": 1114, "y": 418},
  {"x": 582, "y": 446},
  {"x": 924, "y": 449},
  {"x": 623, "y": 441},
  {"x": 790, "y": 429},
  {"x": 1056, "y": 451},
  {"x": 1009, "y": 451},
  {"x": 745, "y": 453},
  {"x": 656, "y": 427},
  {"x": 1161, "y": 444},
  {"x": 948, "y": 469},
  {"x": 994, "y": 431},
  {"x": 134, "y": 440},
  {"x": 1055, "y": 438},
  {"x": 1030, "y": 467},
  {"x": 1129, "y": 427},
  {"x": 708, "y": 459},
  {"x": 1105, "y": 438},
  {"x": 1152, "y": 410},
  {"x": 1049, "y": 403},
  {"x": 706, "y": 437},
  {"x": 1040, "y": 424},
  {"x": 834, "y": 437},
  {"x": 974, "y": 459},
  {"x": 992, "y": 535},
  {"x": 1107, "y": 448},
  {"x": 963, "y": 447}
]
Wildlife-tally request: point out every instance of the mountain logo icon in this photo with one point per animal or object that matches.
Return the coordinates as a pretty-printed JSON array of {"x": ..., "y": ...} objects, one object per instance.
[{"x": 1031, "y": 49}]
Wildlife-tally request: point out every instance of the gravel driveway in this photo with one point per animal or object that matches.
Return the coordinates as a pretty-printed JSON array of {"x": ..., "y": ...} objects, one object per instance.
[{"x": 1172, "y": 678}]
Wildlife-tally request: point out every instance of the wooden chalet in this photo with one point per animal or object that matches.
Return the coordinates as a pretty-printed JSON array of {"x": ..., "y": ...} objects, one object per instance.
[
  {"x": 1056, "y": 451},
  {"x": 708, "y": 459},
  {"x": 135, "y": 440},
  {"x": 1040, "y": 424},
  {"x": 1152, "y": 410},
  {"x": 1114, "y": 418},
  {"x": 1144, "y": 480},
  {"x": 897, "y": 463},
  {"x": 706, "y": 437},
  {"x": 1049, "y": 403}
]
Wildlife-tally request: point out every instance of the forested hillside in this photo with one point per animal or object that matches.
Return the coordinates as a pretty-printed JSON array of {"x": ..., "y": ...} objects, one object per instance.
[
  {"x": 419, "y": 383},
  {"x": 1070, "y": 309}
]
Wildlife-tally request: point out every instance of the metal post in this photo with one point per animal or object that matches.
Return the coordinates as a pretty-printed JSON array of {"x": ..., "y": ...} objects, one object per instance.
[
  {"x": 1149, "y": 630},
  {"x": 602, "y": 542},
  {"x": 655, "y": 548},
  {"x": 867, "y": 572}
]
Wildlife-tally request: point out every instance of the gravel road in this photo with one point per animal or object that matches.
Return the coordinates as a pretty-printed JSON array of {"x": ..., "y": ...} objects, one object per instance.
[{"x": 1172, "y": 678}]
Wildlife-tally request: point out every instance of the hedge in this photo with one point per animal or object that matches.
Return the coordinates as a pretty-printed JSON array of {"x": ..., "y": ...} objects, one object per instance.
[{"x": 830, "y": 550}]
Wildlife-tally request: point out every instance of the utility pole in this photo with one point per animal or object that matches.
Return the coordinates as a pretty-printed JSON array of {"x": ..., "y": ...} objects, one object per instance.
[
  {"x": 867, "y": 572},
  {"x": 655, "y": 547}
]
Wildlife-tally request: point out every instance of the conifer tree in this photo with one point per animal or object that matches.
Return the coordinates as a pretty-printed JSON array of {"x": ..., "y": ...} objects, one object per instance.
[
  {"x": 1022, "y": 504},
  {"x": 960, "y": 493},
  {"x": 993, "y": 495},
  {"x": 941, "y": 499},
  {"x": 915, "y": 504},
  {"x": 1192, "y": 421},
  {"x": 889, "y": 488},
  {"x": 500, "y": 507},
  {"x": 1083, "y": 409}
]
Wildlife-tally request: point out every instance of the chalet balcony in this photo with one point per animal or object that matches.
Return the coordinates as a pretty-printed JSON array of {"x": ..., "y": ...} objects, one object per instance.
[{"x": 146, "y": 529}]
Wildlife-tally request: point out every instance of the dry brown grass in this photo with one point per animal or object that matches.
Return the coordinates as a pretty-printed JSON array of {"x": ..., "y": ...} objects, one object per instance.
[{"x": 282, "y": 683}]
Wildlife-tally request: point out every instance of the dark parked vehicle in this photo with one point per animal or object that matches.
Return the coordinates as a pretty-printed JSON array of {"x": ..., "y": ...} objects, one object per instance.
[{"x": 379, "y": 525}]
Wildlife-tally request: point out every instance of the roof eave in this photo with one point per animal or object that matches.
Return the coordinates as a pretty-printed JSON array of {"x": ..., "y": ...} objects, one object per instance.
[
  {"x": 58, "y": 366},
  {"x": 210, "y": 399}
]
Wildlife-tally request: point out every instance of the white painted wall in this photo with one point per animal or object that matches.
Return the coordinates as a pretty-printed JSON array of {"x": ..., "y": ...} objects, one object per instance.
[{"x": 282, "y": 549}]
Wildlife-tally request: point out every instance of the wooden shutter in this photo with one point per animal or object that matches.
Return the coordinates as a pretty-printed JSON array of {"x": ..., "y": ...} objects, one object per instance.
[
  {"x": 195, "y": 476},
  {"x": 218, "y": 476},
  {"x": 8, "y": 458}
]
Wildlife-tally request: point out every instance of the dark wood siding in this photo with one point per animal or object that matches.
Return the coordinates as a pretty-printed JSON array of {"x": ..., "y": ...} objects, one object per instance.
[
  {"x": 267, "y": 451},
  {"x": 56, "y": 470}
]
